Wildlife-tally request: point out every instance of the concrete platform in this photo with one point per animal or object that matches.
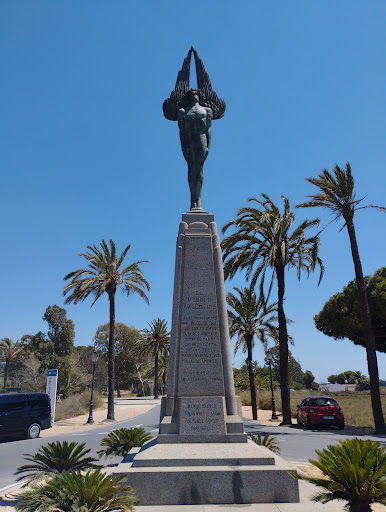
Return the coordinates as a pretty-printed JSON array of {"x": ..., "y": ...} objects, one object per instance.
[
  {"x": 210, "y": 454},
  {"x": 202, "y": 474}
]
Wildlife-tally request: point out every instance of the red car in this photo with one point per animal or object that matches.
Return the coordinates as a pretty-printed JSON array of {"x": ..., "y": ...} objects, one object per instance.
[{"x": 320, "y": 410}]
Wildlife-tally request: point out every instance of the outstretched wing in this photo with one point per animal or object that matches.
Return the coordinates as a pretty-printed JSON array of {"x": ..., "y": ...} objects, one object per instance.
[
  {"x": 175, "y": 102},
  {"x": 208, "y": 98}
]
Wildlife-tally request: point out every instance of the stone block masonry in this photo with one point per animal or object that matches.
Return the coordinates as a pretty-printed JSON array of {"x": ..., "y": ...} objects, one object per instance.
[{"x": 201, "y": 405}]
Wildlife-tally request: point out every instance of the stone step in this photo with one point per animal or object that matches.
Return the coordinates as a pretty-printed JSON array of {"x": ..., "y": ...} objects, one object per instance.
[
  {"x": 209, "y": 473},
  {"x": 212, "y": 484},
  {"x": 197, "y": 454}
]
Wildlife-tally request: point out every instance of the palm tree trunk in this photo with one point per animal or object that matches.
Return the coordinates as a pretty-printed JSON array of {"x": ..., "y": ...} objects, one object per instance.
[
  {"x": 359, "y": 507},
  {"x": 252, "y": 384},
  {"x": 140, "y": 378},
  {"x": 283, "y": 349},
  {"x": 156, "y": 375},
  {"x": 6, "y": 369},
  {"x": 164, "y": 382},
  {"x": 371, "y": 354},
  {"x": 110, "y": 363}
]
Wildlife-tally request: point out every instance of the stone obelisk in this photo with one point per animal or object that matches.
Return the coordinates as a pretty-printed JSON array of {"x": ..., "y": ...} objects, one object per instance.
[{"x": 201, "y": 405}]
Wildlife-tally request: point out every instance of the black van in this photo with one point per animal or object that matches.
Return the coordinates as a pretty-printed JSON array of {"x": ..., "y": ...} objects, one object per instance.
[{"x": 24, "y": 413}]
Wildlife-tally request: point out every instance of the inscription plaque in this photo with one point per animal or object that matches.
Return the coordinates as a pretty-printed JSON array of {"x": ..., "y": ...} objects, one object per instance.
[
  {"x": 200, "y": 371},
  {"x": 202, "y": 416}
]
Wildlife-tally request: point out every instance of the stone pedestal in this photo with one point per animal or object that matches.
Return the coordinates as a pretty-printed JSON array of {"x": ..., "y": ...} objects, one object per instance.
[
  {"x": 208, "y": 473},
  {"x": 201, "y": 405},
  {"x": 202, "y": 454}
]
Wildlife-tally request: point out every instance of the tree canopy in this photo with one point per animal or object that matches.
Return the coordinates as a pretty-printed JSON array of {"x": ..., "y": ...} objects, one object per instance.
[
  {"x": 125, "y": 339},
  {"x": 54, "y": 349},
  {"x": 295, "y": 373},
  {"x": 340, "y": 317},
  {"x": 350, "y": 377}
]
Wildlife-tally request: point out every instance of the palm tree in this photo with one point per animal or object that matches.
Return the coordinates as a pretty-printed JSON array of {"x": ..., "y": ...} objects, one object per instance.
[
  {"x": 9, "y": 351},
  {"x": 249, "y": 318},
  {"x": 163, "y": 368},
  {"x": 103, "y": 274},
  {"x": 354, "y": 471},
  {"x": 263, "y": 241},
  {"x": 55, "y": 458},
  {"x": 155, "y": 341},
  {"x": 338, "y": 195},
  {"x": 120, "y": 441},
  {"x": 68, "y": 492}
]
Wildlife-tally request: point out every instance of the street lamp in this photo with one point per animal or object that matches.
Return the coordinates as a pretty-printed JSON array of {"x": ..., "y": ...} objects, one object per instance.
[
  {"x": 94, "y": 359},
  {"x": 275, "y": 417}
]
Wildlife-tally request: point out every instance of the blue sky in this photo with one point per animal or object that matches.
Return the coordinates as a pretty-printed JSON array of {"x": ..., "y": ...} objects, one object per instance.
[{"x": 87, "y": 154}]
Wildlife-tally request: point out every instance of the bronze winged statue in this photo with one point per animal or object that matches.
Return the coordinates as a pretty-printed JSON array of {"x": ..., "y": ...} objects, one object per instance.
[{"x": 194, "y": 109}]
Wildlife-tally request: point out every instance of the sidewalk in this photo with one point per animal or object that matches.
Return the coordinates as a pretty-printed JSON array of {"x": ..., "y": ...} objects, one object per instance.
[
  {"x": 263, "y": 416},
  {"x": 125, "y": 409}
]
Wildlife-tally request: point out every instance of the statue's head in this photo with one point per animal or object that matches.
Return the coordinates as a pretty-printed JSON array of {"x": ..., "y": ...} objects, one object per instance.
[{"x": 192, "y": 97}]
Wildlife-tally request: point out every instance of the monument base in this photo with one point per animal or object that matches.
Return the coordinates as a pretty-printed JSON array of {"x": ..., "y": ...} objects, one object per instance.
[
  {"x": 224, "y": 428},
  {"x": 211, "y": 473}
]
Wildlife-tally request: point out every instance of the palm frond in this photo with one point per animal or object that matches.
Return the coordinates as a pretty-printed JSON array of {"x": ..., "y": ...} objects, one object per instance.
[
  {"x": 56, "y": 457},
  {"x": 120, "y": 441},
  {"x": 263, "y": 239},
  {"x": 354, "y": 471},
  {"x": 70, "y": 492},
  {"x": 103, "y": 274}
]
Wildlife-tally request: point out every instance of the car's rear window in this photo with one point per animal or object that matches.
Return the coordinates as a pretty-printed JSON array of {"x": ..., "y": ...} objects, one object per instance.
[{"x": 324, "y": 401}]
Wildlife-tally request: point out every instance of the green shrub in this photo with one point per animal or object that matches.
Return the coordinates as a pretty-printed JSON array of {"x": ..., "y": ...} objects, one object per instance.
[
  {"x": 76, "y": 405},
  {"x": 245, "y": 397},
  {"x": 71, "y": 492},
  {"x": 54, "y": 458},
  {"x": 119, "y": 442},
  {"x": 355, "y": 471},
  {"x": 242, "y": 381},
  {"x": 265, "y": 401}
]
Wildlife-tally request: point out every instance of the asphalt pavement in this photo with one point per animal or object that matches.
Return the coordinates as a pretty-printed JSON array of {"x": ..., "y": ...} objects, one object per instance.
[
  {"x": 12, "y": 449},
  {"x": 298, "y": 444}
]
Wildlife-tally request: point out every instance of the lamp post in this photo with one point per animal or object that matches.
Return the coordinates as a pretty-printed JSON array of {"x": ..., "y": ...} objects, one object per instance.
[
  {"x": 274, "y": 417},
  {"x": 94, "y": 359}
]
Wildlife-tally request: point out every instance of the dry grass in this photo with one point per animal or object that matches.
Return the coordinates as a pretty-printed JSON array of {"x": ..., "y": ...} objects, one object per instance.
[
  {"x": 356, "y": 405},
  {"x": 75, "y": 405}
]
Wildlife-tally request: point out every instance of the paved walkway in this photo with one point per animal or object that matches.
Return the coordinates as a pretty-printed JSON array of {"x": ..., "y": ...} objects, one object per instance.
[{"x": 125, "y": 409}]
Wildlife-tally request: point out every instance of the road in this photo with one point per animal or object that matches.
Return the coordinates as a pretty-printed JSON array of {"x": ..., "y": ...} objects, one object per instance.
[
  {"x": 296, "y": 444},
  {"x": 11, "y": 451}
]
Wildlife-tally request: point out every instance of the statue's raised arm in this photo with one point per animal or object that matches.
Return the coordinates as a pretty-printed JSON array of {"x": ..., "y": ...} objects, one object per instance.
[{"x": 194, "y": 110}]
